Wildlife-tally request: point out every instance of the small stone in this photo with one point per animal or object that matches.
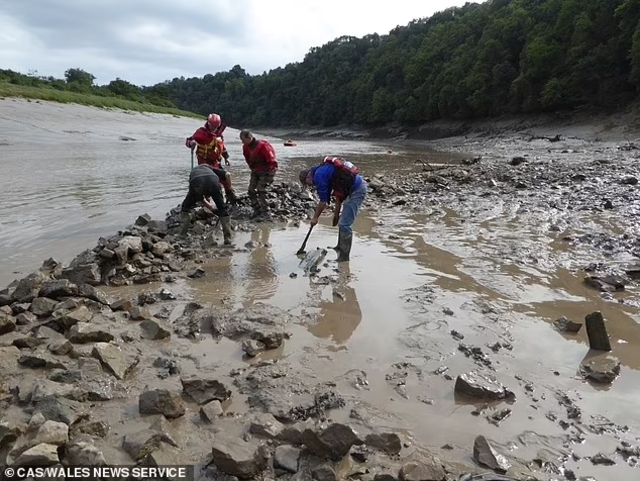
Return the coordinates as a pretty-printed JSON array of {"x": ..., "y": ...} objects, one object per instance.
[
  {"x": 26, "y": 318},
  {"x": 138, "y": 313},
  {"x": 43, "y": 306},
  {"x": 564, "y": 324},
  {"x": 211, "y": 411},
  {"x": 121, "y": 305},
  {"x": 197, "y": 273},
  {"x": 601, "y": 370},
  {"x": 476, "y": 384},
  {"x": 203, "y": 390},
  {"x": 113, "y": 358},
  {"x": 60, "y": 347},
  {"x": 487, "y": 456},
  {"x": 152, "y": 331},
  {"x": 266, "y": 426},
  {"x": 287, "y": 458},
  {"x": 40, "y": 455},
  {"x": 252, "y": 347},
  {"x": 84, "y": 333},
  {"x": 235, "y": 457},
  {"x": 161, "y": 401},
  {"x": 430, "y": 470},
  {"x": 389, "y": 443}
]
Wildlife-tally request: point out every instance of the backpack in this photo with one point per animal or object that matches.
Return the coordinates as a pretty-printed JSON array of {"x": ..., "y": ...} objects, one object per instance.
[{"x": 343, "y": 177}]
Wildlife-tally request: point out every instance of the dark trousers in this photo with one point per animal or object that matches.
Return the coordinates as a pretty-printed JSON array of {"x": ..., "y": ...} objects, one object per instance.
[{"x": 205, "y": 186}]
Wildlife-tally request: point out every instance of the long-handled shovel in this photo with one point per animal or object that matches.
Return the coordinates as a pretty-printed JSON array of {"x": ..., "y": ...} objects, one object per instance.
[{"x": 304, "y": 244}]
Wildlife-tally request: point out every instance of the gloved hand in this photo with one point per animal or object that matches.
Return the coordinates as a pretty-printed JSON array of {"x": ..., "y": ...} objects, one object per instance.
[
  {"x": 226, "y": 161},
  {"x": 190, "y": 143}
]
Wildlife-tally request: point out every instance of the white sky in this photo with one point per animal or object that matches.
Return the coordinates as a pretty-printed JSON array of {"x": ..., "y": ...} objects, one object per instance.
[{"x": 149, "y": 41}]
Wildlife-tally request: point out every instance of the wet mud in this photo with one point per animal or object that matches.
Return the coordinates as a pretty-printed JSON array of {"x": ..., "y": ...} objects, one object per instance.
[{"x": 454, "y": 342}]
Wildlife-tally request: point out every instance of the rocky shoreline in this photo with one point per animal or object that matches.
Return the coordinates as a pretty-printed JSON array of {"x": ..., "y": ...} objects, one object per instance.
[{"x": 74, "y": 355}]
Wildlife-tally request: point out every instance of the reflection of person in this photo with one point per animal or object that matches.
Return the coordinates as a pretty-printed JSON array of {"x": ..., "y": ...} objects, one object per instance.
[
  {"x": 338, "y": 178},
  {"x": 261, "y": 273},
  {"x": 339, "y": 318}
]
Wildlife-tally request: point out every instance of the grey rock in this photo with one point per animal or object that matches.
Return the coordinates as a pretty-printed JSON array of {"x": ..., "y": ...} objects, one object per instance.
[
  {"x": 601, "y": 369},
  {"x": 7, "y": 324},
  {"x": 485, "y": 455},
  {"x": 287, "y": 458},
  {"x": 266, "y": 426},
  {"x": 211, "y": 411},
  {"x": 83, "y": 274},
  {"x": 85, "y": 333},
  {"x": 564, "y": 324},
  {"x": 235, "y": 457},
  {"x": 292, "y": 433},
  {"x": 43, "y": 306},
  {"x": 84, "y": 454},
  {"x": 333, "y": 442},
  {"x": 154, "y": 331},
  {"x": 45, "y": 388},
  {"x": 480, "y": 385},
  {"x": 40, "y": 455},
  {"x": 25, "y": 318},
  {"x": 161, "y": 401},
  {"x": 64, "y": 376},
  {"x": 141, "y": 443},
  {"x": 113, "y": 359},
  {"x": 89, "y": 292},
  {"x": 429, "y": 470},
  {"x": 62, "y": 409},
  {"x": 203, "y": 390},
  {"x": 27, "y": 288},
  {"x": 260, "y": 322},
  {"x": 138, "y": 313},
  {"x": 60, "y": 347},
  {"x": 66, "y": 320},
  {"x": 121, "y": 305},
  {"x": 97, "y": 429},
  {"x": 324, "y": 472},
  {"x": 389, "y": 443},
  {"x": 252, "y": 348},
  {"x": 58, "y": 289},
  {"x": 40, "y": 360}
]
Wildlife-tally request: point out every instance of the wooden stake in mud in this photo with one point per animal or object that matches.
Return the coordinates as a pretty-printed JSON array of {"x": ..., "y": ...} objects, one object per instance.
[{"x": 597, "y": 332}]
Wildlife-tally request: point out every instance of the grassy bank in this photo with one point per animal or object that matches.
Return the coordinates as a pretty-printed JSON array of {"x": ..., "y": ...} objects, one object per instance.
[{"x": 65, "y": 97}]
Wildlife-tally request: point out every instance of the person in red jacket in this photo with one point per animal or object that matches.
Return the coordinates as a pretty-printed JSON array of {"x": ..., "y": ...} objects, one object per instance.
[
  {"x": 210, "y": 149},
  {"x": 261, "y": 159}
]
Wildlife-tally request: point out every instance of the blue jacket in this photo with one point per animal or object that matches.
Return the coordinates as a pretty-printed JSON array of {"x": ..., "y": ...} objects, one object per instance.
[{"x": 322, "y": 176}]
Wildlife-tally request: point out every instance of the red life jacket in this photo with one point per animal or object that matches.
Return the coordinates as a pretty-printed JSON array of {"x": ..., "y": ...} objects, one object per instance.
[{"x": 344, "y": 176}]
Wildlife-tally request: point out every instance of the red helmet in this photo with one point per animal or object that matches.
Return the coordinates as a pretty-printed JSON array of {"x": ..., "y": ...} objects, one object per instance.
[{"x": 214, "y": 121}]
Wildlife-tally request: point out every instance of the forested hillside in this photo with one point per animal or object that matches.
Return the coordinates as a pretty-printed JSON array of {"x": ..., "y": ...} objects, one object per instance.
[
  {"x": 480, "y": 60},
  {"x": 501, "y": 56}
]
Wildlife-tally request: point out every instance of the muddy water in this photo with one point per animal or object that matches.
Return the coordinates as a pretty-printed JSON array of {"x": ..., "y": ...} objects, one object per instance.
[
  {"x": 71, "y": 174},
  {"x": 488, "y": 273}
]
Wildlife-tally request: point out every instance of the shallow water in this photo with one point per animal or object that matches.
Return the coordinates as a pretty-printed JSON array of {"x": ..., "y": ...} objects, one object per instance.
[{"x": 494, "y": 272}]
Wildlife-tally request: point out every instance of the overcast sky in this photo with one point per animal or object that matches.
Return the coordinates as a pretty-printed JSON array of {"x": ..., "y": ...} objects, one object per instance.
[{"x": 149, "y": 41}]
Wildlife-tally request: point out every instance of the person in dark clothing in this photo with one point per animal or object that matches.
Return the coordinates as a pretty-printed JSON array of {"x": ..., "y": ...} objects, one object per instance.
[{"x": 204, "y": 183}]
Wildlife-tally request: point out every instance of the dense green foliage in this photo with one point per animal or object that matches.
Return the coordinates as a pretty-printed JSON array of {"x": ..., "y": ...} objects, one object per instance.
[{"x": 480, "y": 60}]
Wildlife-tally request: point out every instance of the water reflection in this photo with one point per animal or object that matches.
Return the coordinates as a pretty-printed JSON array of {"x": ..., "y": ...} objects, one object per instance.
[
  {"x": 340, "y": 316},
  {"x": 261, "y": 270}
]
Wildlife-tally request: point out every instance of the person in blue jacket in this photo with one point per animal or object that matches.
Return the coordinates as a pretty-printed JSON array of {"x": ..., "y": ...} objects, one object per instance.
[{"x": 337, "y": 178}]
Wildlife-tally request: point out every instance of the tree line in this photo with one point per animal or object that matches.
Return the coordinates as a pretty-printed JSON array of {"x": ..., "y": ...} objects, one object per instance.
[{"x": 479, "y": 60}]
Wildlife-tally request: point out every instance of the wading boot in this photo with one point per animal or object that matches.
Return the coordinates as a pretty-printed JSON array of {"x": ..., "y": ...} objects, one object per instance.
[
  {"x": 226, "y": 229},
  {"x": 337, "y": 246},
  {"x": 344, "y": 242},
  {"x": 185, "y": 220},
  {"x": 231, "y": 197}
]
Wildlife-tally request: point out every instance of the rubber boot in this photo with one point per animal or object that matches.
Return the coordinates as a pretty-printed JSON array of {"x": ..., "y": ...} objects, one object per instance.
[
  {"x": 231, "y": 197},
  {"x": 337, "y": 246},
  {"x": 185, "y": 220},
  {"x": 226, "y": 229},
  {"x": 345, "y": 247}
]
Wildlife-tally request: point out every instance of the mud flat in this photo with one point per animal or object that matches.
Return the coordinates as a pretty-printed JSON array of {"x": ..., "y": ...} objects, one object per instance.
[{"x": 454, "y": 342}]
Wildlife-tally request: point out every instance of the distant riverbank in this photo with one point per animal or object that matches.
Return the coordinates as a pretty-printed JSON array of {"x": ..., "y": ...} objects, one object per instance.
[{"x": 66, "y": 97}]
